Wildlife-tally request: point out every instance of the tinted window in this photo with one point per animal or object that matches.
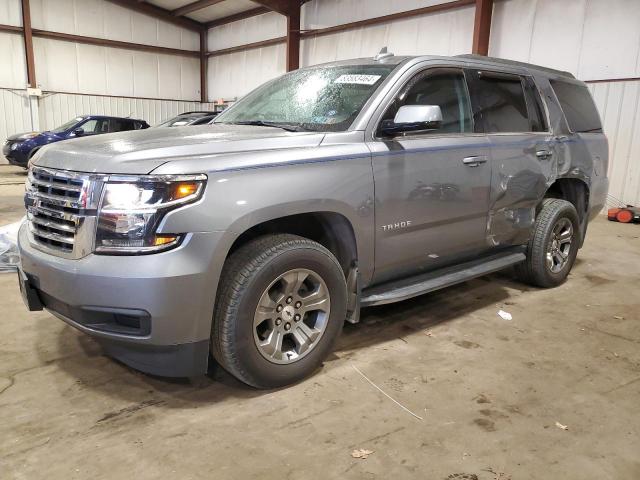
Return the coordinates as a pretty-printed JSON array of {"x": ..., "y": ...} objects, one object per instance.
[
  {"x": 501, "y": 106},
  {"x": 444, "y": 88},
  {"x": 578, "y": 107},
  {"x": 537, "y": 117},
  {"x": 120, "y": 125}
]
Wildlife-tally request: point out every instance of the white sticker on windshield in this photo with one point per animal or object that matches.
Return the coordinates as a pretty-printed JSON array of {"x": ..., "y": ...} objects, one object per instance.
[{"x": 357, "y": 79}]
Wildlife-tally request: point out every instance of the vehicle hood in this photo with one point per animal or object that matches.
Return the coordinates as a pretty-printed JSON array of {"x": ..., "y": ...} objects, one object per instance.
[
  {"x": 141, "y": 151},
  {"x": 39, "y": 135}
]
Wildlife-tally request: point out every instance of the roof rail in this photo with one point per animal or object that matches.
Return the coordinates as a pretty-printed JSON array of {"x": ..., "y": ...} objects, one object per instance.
[{"x": 514, "y": 63}]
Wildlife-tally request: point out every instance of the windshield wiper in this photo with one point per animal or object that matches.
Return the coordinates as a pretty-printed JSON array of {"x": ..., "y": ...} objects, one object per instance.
[{"x": 261, "y": 123}]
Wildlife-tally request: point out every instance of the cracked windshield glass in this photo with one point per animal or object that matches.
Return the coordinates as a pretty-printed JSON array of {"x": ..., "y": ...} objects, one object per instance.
[{"x": 326, "y": 99}]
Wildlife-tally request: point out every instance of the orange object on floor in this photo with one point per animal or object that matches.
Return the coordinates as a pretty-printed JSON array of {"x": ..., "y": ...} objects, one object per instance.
[{"x": 624, "y": 216}]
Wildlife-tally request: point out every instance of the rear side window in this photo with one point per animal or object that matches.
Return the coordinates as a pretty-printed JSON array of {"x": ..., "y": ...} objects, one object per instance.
[
  {"x": 500, "y": 103},
  {"x": 120, "y": 125},
  {"x": 537, "y": 116},
  {"x": 578, "y": 107}
]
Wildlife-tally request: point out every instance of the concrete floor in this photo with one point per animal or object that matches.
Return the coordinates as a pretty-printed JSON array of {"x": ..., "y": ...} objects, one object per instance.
[{"x": 489, "y": 391}]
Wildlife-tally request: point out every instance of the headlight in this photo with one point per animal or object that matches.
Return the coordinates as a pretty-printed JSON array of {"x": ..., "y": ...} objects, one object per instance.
[
  {"x": 131, "y": 210},
  {"x": 14, "y": 146}
]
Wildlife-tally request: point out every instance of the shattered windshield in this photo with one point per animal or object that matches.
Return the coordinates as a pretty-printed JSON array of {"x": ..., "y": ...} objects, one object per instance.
[{"x": 317, "y": 99}]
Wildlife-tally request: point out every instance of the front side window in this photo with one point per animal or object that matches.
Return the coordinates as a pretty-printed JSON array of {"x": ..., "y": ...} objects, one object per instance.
[
  {"x": 444, "y": 88},
  {"x": 94, "y": 126},
  {"x": 324, "y": 99},
  {"x": 500, "y": 103},
  {"x": 578, "y": 107}
]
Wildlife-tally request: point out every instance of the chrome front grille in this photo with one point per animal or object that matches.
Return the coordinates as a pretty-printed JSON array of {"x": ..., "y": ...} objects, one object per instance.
[{"x": 61, "y": 210}]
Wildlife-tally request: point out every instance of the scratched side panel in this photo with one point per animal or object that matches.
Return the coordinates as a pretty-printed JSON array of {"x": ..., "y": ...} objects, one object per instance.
[{"x": 519, "y": 181}]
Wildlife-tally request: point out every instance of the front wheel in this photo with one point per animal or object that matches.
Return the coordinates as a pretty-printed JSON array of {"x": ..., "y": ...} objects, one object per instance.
[
  {"x": 280, "y": 307},
  {"x": 553, "y": 245}
]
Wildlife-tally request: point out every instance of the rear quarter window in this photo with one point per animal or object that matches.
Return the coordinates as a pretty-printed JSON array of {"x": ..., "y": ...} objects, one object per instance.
[{"x": 578, "y": 107}]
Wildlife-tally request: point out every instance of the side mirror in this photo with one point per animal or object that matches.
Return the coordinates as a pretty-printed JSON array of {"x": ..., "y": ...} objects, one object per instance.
[
  {"x": 412, "y": 118},
  {"x": 78, "y": 132}
]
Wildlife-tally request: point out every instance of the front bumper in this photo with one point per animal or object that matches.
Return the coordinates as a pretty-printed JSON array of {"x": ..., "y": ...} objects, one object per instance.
[
  {"x": 152, "y": 312},
  {"x": 15, "y": 157}
]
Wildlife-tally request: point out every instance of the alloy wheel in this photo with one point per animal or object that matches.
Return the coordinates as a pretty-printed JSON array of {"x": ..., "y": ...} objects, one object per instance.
[{"x": 291, "y": 316}]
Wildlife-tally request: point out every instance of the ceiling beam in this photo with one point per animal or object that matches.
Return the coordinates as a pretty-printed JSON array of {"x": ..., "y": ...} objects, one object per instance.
[
  {"x": 237, "y": 16},
  {"x": 193, "y": 7},
  {"x": 159, "y": 13},
  {"x": 284, "y": 7},
  {"x": 482, "y": 27}
]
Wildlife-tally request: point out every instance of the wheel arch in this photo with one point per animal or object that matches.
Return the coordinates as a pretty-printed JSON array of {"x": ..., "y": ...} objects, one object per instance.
[
  {"x": 331, "y": 229},
  {"x": 575, "y": 191}
]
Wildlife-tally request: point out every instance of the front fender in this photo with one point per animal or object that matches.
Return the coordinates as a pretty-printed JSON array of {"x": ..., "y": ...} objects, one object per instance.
[{"x": 237, "y": 200}]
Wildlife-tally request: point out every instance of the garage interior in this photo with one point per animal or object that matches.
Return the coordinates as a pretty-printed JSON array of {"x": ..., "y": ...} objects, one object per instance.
[{"x": 437, "y": 387}]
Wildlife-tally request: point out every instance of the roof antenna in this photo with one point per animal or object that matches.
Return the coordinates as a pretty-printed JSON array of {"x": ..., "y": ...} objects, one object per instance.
[{"x": 383, "y": 54}]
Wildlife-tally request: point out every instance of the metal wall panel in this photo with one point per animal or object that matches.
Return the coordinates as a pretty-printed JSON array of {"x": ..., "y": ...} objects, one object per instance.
[
  {"x": 55, "y": 109},
  {"x": 445, "y": 33},
  {"x": 78, "y": 68},
  {"x": 249, "y": 30},
  {"x": 619, "y": 106},
  {"x": 10, "y": 12},
  {"x": 572, "y": 35},
  {"x": 234, "y": 75},
  {"x": 15, "y": 114},
  {"x": 13, "y": 70},
  {"x": 101, "y": 19}
]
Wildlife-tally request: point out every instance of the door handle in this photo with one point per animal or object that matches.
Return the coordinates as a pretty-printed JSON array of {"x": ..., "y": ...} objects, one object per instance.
[
  {"x": 543, "y": 154},
  {"x": 475, "y": 160}
]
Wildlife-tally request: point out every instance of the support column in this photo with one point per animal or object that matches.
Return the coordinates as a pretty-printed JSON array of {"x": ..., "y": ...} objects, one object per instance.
[
  {"x": 482, "y": 27},
  {"x": 293, "y": 37},
  {"x": 204, "y": 65},
  {"x": 28, "y": 44}
]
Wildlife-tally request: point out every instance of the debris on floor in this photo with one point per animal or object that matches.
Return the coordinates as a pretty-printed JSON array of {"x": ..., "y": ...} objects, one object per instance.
[
  {"x": 561, "y": 426},
  {"x": 361, "y": 453},
  {"x": 9, "y": 256},
  {"x": 505, "y": 315}
]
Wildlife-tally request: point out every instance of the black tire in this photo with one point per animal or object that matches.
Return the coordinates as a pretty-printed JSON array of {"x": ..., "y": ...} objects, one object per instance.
[
  {"x": 247, "y": 273},
  {"x": 536, "y": 270}
]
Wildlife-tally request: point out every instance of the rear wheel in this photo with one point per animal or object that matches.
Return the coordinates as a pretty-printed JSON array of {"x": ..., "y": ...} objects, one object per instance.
[
  {"x": 553, "y": 246},
  {"x": 280, "y": 307}
]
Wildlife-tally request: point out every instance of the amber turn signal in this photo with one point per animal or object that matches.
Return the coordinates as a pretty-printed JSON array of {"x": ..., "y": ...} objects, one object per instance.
[
  {"x": 163, "y": 240},
  {"x": 184, "y": 189}
]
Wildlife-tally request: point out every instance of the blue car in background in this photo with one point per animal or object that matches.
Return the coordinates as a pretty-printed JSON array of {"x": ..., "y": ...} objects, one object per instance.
[{"x": 19, "y": 148}]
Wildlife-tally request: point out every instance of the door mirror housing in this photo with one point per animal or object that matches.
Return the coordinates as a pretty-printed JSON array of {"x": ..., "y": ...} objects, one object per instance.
[
  {"x": 78, "y": 132},
  {"x": 413, "y": 118}
]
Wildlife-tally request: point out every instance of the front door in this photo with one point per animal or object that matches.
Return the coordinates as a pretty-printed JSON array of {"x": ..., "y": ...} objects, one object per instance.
[{"x": 431, "y": 187}]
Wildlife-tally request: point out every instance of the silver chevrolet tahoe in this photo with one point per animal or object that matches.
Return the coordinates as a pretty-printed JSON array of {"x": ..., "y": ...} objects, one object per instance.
[{"x": 335, "y": 187}]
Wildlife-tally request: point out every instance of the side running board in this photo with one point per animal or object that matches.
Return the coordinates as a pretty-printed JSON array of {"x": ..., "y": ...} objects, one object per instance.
[{"x": 406, "y": 288}]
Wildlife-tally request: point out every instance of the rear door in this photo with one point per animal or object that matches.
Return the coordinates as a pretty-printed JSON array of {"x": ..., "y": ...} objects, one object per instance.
[
  {"x": 508, "y": 108},
  {"x": 431, "y": 187}
]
